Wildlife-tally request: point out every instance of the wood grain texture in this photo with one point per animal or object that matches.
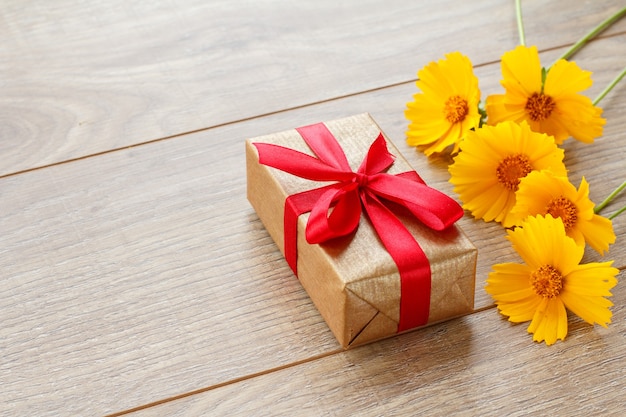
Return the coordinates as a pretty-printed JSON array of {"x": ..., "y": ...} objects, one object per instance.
[
  {"x": 79, "y": 78},
  {"x": 142, "y": 274},
  {"x": 116, "y": 286},
  {"x": 478, "y": 365}
]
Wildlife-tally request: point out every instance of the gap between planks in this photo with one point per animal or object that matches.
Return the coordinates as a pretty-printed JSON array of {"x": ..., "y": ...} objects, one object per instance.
[
  {"x": 257, "y": 374},
  {"x": 225, "y": 383},
  {"x": 266, "y": 372},
  {"x": 259, "y": 116}
]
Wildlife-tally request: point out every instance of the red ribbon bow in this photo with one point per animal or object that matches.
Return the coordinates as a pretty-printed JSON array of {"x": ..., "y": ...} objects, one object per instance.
[{"x": 367, "y": 188}]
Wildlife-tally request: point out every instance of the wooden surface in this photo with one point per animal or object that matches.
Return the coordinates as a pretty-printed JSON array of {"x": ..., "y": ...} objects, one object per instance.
[{"x": 137, "y": 279}]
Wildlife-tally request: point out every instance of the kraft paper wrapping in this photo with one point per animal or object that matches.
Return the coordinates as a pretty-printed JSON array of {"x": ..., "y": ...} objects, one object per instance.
[{"x": 353, "y": 281}]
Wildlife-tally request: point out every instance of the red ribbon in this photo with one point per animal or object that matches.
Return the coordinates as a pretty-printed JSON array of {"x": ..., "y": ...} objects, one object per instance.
[{"x": 368, "y": 188}]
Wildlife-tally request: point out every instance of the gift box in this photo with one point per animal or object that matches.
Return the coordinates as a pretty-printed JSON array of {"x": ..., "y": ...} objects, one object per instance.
[{"x": 375, "y": 248}]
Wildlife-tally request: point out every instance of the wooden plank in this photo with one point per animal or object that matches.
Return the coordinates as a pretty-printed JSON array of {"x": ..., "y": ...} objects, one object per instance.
[
  {"x": 130, "y": 272},
  {"x": 143, "y": 274},
  {"x": 80, "y": 78},
  {"x": 478, "y": 365}
]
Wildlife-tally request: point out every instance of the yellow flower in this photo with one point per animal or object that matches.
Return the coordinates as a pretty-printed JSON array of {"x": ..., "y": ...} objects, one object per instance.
[
  {"x": 554, "y": 107},
  {"x": 493, "y": 159},
  {"x": 447, "y": 108},
  {"x": 545, "y": 193},
  {"x": 550, "y": 280}
]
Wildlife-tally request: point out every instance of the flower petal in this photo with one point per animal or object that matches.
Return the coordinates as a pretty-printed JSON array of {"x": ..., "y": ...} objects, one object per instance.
[
  {"x": 566, "y": 77},
  {"x": 521, "y": 70},
  {"x": 549, "y": 322},
  {"x": 598, "y": 233}
]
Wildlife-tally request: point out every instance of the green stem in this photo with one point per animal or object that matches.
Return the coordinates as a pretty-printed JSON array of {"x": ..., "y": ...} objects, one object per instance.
[
  {"x": 598, "y": 29},
  {"x": 610, "y": 198},
  {"x": 617, "y": 213},
  {"x": 520, "y": 23},
  {"x": 609, "y": 87},
  {"x": 483, "y": 114}
]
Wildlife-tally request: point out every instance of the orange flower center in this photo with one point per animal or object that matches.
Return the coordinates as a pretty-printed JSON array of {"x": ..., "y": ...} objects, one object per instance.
[
  {"x": 539, "y": 106},
  {"x": 546, "y": 281},
  {"x": 511, "y": 169},
  {"x": 565, "y": 209},
  {"x": 455, "y": 109}
]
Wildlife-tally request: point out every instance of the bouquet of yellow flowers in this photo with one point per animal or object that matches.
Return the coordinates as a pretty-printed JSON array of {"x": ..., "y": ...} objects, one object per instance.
[{"x": 508, "y": 167}]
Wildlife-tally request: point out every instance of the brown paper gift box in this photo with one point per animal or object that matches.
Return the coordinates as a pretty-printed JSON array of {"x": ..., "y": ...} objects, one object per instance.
[{"x": 353, "y": 281}]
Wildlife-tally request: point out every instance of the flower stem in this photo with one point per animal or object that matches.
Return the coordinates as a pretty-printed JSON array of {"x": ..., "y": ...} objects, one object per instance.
[
  {"x": 609, "y": 87},
  {"x": 610, "y": 198},
  {"x": 598, "y": 29},
  {"x": 617, "y": 213},
  {"x": 520, "y": 23}
]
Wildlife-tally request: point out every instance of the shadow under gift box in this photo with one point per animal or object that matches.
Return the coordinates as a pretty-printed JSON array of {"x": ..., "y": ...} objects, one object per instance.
[{"x": 353, "y": 281}]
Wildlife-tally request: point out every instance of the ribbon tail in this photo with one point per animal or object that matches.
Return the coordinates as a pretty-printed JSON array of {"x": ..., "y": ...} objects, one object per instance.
[
  {"x": 432, "y": 207},
  {"x": 378, "y": 157},
  {"x": 411, "y": 175},
  {"x": 412, "y": 263}
]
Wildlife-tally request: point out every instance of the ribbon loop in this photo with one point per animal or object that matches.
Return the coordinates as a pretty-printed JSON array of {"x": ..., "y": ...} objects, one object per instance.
[
  {"x": 336, "y": 209},
  {"x": 378, "y": 158},
  {"x": 343, "y": 219}
]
